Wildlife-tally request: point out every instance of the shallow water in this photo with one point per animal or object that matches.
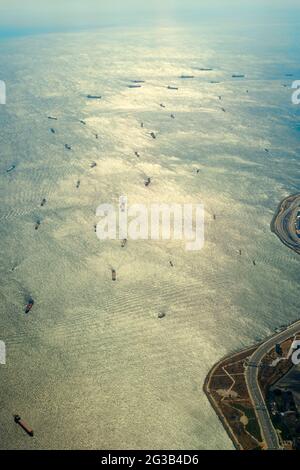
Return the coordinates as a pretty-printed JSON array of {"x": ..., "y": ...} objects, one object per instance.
[{"x": 92, "y": 366}]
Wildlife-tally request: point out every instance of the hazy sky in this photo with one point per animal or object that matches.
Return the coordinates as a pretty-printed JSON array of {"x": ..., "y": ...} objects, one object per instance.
[{"x": 17, "y": 16}]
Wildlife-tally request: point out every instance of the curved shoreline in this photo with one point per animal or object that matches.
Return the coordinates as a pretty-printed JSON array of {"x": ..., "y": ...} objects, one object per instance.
[
  {"x": 281, "y": 224},
  {"x": 213, "y": 403},
  {"x": 212, "y": 386}
]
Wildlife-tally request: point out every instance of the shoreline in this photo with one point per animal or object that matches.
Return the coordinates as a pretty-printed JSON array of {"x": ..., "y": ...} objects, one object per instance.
[
  {"x": 213, "y": 403},
  {"x": 278, "y": 225},
  {"x": 243, "y": 403}
]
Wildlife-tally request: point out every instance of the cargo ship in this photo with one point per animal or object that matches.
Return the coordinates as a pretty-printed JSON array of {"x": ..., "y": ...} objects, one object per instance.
[
  {"x": 29, "y": 305},
  {"x": 11, "y": 168},
  {"x": 113, "y": 275},
  {"x": 23, "y": 425}
]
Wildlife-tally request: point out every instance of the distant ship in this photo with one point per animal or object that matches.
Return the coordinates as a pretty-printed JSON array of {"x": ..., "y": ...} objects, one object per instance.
[
  {"x": 23, "y": 425},
  {"x": 187, "y": 76},
  {"x": 138, "y": 81},
  {"x": 236, "y": 75},
  {"x": 134, "y": 86},
  {"x": 172, "y": 87},
  {"x": 11, "y": 168},
  {"x": 29, "y": 305},
  {"x": 94, "y": 97},
  {"x": 203, "y": 69},
  {"x": 161, "y": 315}
]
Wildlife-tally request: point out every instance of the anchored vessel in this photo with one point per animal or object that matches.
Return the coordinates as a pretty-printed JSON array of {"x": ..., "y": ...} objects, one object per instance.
[
  {"x": 23, "y": 425},
  {"x": 29, "y": 305},
  {"x": 11, "y": 168}
]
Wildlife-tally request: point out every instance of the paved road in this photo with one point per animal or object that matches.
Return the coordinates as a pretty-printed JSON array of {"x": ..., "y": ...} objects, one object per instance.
[
  {"x": 268, "y": 431},
  {"x": 283, "y": 223}
]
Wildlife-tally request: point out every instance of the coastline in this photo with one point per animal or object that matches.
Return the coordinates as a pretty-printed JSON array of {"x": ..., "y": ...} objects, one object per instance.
[
  {"x": 243, "y": 402},
  {"x": 279, "y": 226},
  {"x": 212, "y": 401}
]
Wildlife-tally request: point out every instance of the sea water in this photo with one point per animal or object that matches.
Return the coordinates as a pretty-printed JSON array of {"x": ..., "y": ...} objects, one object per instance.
[{"x": 92, "y": 365}]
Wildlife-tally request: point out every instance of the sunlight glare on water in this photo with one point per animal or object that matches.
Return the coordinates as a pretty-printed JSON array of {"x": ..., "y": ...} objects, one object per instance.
[{"x": 92, "y": 366}]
